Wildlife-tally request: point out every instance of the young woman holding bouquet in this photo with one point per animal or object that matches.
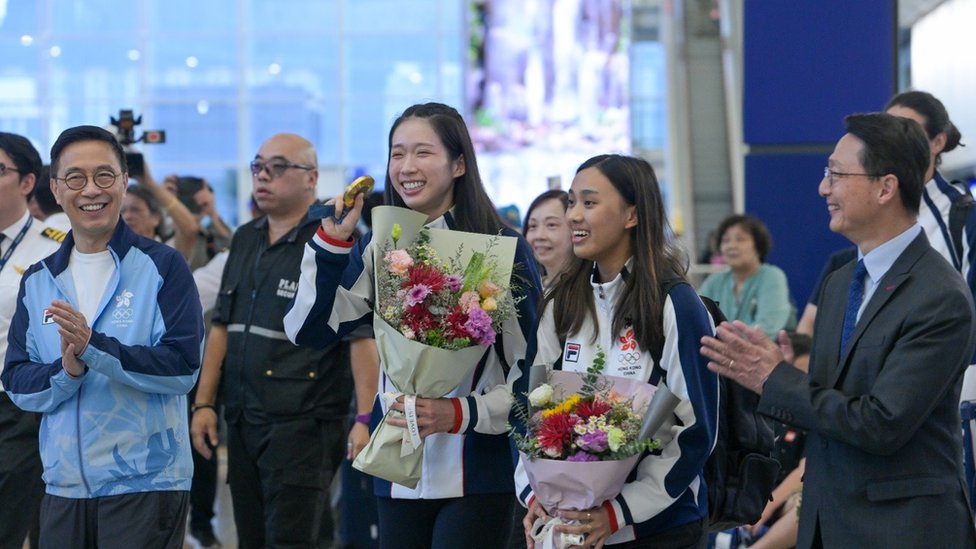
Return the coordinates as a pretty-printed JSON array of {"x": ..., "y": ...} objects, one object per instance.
[
  {"x": 463, "y": 498},
  {"x": 612, "y": 300}
]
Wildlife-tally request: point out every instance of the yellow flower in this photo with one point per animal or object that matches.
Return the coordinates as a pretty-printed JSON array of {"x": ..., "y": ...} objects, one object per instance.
[
  {"x": 396, "y": 232},
  {"x": 489, "y": 304},
  {"x": 567, "y": 405}
]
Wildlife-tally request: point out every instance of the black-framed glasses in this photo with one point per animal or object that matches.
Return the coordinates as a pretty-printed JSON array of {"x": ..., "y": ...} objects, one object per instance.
[
  {"x": 103, "y": 179},
  {"x": 5, "y": 168},
  {"x": 830, "y": 175},
  {"x": 275, "y": 169}
]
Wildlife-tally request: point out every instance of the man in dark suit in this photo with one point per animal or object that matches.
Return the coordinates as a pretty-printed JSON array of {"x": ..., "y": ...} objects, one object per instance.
[{"x": 884, "y": 453}]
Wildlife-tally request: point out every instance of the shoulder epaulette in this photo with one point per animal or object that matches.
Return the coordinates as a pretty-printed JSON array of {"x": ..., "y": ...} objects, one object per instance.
[{"x": 54, "y": 234}]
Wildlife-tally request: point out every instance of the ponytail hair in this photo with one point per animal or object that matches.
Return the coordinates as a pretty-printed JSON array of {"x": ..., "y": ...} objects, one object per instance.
[{"x": 936, "y": 117}]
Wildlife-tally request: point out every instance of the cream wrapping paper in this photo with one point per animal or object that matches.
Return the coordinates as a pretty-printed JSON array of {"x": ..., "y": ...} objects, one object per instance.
[{"x": 416, "y": 369}]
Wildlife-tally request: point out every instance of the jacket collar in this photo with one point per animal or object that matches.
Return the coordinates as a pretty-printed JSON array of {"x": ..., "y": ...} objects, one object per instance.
[{"x": 123, "y": 239}]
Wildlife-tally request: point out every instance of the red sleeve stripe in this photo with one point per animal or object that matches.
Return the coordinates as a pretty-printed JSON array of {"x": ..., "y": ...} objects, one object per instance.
[
  {"x": 332, "y": 241},
  {"x": 612, "y": 516},
  {"x": 458, "y": 415}
]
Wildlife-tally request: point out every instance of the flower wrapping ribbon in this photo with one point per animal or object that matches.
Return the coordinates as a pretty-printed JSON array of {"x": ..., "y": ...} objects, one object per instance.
[
  {"x": 412, "y": 439},
  {"x": 543, "y": 533}
]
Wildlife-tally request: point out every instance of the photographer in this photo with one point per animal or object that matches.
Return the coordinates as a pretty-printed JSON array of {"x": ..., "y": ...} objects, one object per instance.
[
  {"x": 185, "y": 224},
  {"x": 198, "y": 197}
]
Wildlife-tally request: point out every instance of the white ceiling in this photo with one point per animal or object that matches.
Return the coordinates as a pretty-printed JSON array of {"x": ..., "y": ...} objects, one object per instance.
[{"x": 910, "y": 11}]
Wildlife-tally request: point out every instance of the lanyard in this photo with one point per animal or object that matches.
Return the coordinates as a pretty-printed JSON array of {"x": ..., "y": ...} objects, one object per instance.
[{"x": 17, "y": 239}]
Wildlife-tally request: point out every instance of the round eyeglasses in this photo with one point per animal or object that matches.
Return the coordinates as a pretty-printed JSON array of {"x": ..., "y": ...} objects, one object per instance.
[{"x": 77, "y": 181}]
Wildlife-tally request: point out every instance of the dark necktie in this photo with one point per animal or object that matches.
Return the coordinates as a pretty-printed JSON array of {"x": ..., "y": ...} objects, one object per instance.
[{"x": 854, "y": 298}]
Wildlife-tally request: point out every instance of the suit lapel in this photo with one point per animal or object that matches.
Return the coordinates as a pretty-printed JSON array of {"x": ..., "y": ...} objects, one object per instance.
[{"x": 899, "y": 272}]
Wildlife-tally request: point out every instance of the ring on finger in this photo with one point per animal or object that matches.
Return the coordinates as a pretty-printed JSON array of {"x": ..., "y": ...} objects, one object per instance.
[{"x": 731, "y": 364}]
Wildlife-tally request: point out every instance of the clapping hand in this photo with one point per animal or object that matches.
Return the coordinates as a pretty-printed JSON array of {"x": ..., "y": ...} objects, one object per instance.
[{"x": 75, "y": 334}]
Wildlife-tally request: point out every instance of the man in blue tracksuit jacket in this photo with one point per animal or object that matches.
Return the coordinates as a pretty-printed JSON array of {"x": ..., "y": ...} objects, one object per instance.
[{"x": 105, "y": 343}]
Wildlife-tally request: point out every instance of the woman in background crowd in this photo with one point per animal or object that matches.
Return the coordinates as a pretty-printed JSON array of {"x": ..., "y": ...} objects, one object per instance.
[
  {"x": 548, "y": 233},
  {"x": 751, "y": 290}
]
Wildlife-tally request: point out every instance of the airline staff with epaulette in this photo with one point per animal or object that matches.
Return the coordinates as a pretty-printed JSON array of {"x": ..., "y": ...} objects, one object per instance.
[{"x": 23, "y": 242}]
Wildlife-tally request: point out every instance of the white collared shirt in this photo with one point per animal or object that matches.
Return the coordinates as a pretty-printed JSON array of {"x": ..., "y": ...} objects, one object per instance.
[{"x": 34, "y": 247}]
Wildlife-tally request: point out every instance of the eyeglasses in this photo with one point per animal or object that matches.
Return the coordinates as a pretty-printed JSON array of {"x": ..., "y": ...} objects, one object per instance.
[
  {"x": 77, "y": 181},
  {"x": 830, "y": 175},
  {"x": 5, "y": 168},
  {"x": 275, "y": 169}
]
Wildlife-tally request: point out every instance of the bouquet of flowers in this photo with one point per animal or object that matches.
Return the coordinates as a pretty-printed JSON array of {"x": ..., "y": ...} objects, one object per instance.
[
  {"x": 581, "y": 441},
  {"x": 447, "y": 305},
  {"x": 434, "y": 320}
]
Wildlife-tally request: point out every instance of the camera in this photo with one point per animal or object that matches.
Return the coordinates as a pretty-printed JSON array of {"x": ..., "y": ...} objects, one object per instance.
[
  {"x": 186, "y": 187},
  {"x": 125, "y": 126}
]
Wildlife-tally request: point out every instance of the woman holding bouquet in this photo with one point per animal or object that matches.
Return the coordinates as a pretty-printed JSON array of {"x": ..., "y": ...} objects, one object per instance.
[
  {"x": 613, "y": 301},
  {"x": 463, "y": 498}
]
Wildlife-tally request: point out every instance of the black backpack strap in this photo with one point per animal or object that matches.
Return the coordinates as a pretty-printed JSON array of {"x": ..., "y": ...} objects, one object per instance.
[{"x": 958, "y": 213}]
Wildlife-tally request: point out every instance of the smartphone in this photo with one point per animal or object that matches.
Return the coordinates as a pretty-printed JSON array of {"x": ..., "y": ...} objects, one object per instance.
[
  {"x": 186, "y": 187},
  {"x": 137, "y": 166}
]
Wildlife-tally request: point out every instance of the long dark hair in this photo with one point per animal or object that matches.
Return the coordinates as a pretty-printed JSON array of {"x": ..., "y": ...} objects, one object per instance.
[
  {"x": 655, "y": 257},
  {"x": 473, "y": 210},
  {"x": 936, "y": 117}
]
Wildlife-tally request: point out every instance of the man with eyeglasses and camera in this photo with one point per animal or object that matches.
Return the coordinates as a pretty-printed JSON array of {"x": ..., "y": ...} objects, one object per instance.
[
  {"x": 285, "y": 405},
  {"x": 23, "y": 241},
  {"x": 105, "y": 344}
]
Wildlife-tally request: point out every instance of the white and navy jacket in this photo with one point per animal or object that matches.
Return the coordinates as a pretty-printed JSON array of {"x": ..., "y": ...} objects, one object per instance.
[
  {"x": 335, "y": 295},
  {"x": 666, "y": 488},
  {"x": 933, "y": 216},
  {"x": 121, "y": 427}
]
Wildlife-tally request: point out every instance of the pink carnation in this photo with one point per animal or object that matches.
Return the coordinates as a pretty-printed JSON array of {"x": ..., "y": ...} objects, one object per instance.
[
  {"x": 398, "y": 261},
  {"x": 469, "y": 300}
]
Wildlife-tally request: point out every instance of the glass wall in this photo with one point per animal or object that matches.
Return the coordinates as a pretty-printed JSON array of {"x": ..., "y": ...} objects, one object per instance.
[
  {"x": 541, "y": 93},
  {"x": 220, "y": 76}
]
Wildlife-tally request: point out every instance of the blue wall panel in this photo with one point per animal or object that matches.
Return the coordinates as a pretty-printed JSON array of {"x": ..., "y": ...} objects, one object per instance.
[
  {"x": 783, "y": 193},
  {"x": 809, "y": 63}
]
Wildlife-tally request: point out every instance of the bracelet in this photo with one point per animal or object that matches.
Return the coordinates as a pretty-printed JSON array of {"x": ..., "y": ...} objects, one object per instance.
[
  {"x": 362, "y": 418},
  {"x": 195, "y": 407},
  {"x": 170, "y": 203}
]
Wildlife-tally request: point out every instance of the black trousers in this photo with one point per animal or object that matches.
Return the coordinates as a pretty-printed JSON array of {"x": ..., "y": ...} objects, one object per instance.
[
  {"x": 693, "y": 535},
  {"x": 21, "y": 487},
  {"x": 279, "y": 475},
  {"x": 154, "y": 520},
  {"x": 203, "y": 491},
  {"x": 478, "y": 521}
]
